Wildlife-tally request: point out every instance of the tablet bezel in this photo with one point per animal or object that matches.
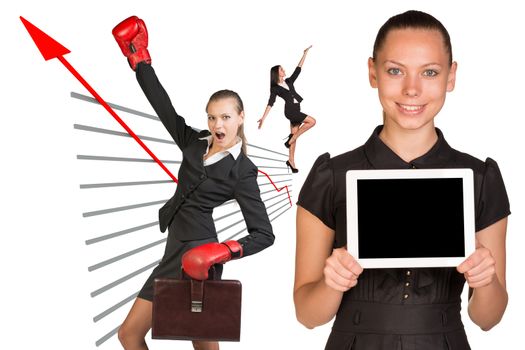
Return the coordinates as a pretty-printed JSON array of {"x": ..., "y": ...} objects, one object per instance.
[{"x": 352, "y": 176}]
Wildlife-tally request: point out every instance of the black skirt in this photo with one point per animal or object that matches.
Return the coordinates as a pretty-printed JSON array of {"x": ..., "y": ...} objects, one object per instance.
[
  {"x": 171, "y": 264},
  {"x": 292, "y": 111}
]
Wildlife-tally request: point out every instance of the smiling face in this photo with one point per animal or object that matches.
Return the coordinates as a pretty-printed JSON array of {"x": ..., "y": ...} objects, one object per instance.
[
  {"x": 224, "y": 120},
  {"x": 412, "y": 74}
]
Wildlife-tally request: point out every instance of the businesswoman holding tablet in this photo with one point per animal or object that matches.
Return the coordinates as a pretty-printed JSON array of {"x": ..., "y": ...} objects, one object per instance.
[{"x": 412, "y": 308}]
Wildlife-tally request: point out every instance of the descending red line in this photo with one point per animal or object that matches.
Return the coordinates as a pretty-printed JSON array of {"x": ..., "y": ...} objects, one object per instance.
[{"x": 277, "y": 189}]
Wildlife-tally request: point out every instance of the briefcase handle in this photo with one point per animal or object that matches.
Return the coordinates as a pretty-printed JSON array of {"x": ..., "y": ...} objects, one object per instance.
[
  {"x": 197, "y": 289},
  {"x": 212, "y": 274}
]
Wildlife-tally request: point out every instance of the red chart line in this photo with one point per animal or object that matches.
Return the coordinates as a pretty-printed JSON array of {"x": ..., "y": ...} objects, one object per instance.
[
  {"x": 132, "y": 134},
  {"x": 277, "y": 189},
  {"x": 117, "y": 118}
]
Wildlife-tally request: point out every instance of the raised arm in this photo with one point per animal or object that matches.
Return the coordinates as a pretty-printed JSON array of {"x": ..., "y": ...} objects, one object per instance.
[
  {"x": 305, "y": 52},
  {"x": 132, "y": 38},
  {"x": 322, "y": 274}
]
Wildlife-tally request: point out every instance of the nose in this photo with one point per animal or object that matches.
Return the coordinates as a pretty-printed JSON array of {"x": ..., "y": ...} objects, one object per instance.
[
  {"x": 411, "y": 86},
  {"x": 218, "y": 122}
]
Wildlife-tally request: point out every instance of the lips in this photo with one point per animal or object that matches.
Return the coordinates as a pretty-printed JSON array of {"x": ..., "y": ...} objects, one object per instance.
[
  {"x": 410, "y": 109},
  {"x": 220, "y": 135}
]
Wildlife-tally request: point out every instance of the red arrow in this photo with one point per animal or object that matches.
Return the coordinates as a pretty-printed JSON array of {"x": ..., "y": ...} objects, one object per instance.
[{"x": 49, "y": 48}]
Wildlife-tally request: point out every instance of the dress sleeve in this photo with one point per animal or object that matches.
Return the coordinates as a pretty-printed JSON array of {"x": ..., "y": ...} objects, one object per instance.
[
  {"x": 253, "y": 210},
  {"x": 317, "y": 193},
  {"x": 181, "y": 133},
  {"x": 295, "y": 74},
  {"x": 493, "y": 203},
  {"x": 273, "y": 96}
]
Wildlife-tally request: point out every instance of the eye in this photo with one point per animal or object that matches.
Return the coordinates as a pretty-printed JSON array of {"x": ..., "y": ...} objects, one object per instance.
[
  {"x": 211, "y": 118},
  {"x": 394, "y": 71},
  {"x": 430, "y": 73},
  {"x": 226, "y": 117}
]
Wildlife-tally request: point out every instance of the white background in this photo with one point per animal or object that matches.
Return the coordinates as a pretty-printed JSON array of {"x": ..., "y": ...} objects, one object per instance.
[{"x": 198, "y": 48}]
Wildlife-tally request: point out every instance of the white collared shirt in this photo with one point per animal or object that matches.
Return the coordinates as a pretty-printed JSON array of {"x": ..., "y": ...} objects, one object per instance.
[{"x": 234, "y": 150}]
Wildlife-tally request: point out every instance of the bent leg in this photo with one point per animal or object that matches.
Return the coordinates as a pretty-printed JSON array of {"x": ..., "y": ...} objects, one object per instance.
[
  {"x": 307, "y": 124},
  {"x": 132, "y": 332}
]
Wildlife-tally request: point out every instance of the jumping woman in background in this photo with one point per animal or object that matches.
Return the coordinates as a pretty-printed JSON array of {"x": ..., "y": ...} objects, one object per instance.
[
  {"x": 214, "y": 169},
  {"x": 299, "y": 122},
  {"x": 416, "y": 308}
]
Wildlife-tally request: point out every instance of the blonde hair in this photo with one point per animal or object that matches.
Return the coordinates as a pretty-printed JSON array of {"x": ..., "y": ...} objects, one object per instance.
[{"x": 239, "y": 106}]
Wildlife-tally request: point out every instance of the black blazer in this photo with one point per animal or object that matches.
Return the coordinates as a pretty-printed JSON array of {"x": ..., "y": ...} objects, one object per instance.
[
  {"x": 189, "y": 212},
  {"x": 287, "y": 95}
]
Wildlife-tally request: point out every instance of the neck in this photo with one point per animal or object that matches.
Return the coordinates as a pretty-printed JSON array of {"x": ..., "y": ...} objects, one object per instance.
[
  {"x": 214, "y": 148},
  {"x": 409, "y": 144}
]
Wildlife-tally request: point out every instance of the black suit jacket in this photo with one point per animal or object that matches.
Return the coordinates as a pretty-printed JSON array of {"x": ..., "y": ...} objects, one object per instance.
[
  {"x": 287, "y": 95},
  {"x": 200, "y": 189}
]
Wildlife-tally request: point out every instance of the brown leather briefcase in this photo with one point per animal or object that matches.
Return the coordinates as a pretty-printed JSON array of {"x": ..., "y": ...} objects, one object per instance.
[{"x": 207, "y": 310}]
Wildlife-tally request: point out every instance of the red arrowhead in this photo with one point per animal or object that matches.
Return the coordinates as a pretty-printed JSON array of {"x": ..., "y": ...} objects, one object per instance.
[{"x": 48, "y": 47}]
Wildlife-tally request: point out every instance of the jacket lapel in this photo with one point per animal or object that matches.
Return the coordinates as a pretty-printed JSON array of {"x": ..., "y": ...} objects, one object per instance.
[{"x": 221, "y": 169}]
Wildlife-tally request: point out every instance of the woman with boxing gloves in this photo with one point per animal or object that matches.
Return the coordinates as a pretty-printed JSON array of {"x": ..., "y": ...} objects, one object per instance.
[
  {"x": 214, "y": 169},
  {"x": 412, "y": 69},
  {"x": 284, "y": 88}
]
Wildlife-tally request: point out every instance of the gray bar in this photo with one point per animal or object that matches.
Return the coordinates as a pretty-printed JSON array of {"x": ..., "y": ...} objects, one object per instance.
[
  {"x": 235, "y": 212},
  {"x": 238, "y": 222},
  {"x": 117, "y": 184},
  {"x": 123, "y": 279},
  {"x": 253, "y": 156},
  {"x": 274, "y": 204},
  {"x": 269, "y": 150},
  {"x": 106, "y": 337},
  {"x": 114, "y": 106},
  {"x": 148, "y": 138},
  {"x": 274, "y": 190},
  {"x": 120, "y": 133},
  {"x": 115, "y": 307},
  {"x": 145, "y": 115},
  {"x": 120, "y": 233},
  {"x": 271, "y": 167},
  {"x": 125, "y": 255},
  {"x": 244, "y": 229},
  {"x": 124, "y": 159},
  {"x": 275, "y": 182},
  {"x": 126, "y": 207},
  {"x": 272, "y": 175},
  {"x": 275, "y": 217}
]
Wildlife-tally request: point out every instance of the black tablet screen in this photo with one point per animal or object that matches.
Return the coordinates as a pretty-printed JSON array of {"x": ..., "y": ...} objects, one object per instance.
[{"x": 410, "y": 218}]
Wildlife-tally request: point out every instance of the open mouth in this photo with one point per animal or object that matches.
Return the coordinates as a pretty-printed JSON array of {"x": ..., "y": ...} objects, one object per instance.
[{"x": 220, "y": 135}]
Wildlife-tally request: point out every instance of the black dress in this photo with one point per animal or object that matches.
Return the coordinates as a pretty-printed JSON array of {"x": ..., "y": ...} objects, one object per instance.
[
  {"x": 188, "y": 214},
  {"x": 292, "y": 109},
  {"x": 415, "y": 308}
]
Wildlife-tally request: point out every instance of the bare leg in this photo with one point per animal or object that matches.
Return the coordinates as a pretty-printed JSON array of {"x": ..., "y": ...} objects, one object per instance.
[
  {"x": 291, "y": 150},
  {"x": 206, "y": 345},
  {"x": 307, "y": 124},
  {"x": 133, "y": 331}
]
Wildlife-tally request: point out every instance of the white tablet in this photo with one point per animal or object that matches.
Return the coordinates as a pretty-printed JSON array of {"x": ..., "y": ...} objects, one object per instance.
[{"x": 410, "y": 217}]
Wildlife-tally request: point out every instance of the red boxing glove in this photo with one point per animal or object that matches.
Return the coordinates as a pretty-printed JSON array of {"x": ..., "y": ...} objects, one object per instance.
[
  {"x": 197, "y": 261},
  {"x": 132, "y": 38}
]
